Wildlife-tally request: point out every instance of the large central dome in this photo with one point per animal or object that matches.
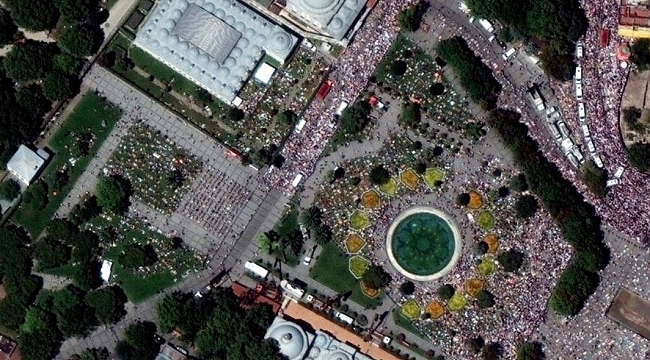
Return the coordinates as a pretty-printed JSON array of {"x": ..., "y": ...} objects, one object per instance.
[{"x": 291, "y": 339}]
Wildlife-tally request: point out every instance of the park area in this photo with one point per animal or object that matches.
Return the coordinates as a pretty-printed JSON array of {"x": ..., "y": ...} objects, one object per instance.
[
  {"x": 159, "y": 170},
  {"x": 81, "y": 134}
]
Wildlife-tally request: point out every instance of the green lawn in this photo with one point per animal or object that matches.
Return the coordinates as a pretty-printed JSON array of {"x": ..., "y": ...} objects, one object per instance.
[
  {"x": 331, "y": 270},
  {"x": 138, "y": 288},
  {"x": 404, "y": 323},
  {"x": 93, "y": 114}
]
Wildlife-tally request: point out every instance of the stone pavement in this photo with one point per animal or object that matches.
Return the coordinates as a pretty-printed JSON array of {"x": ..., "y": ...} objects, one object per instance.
[{"x": 261, "y": 211}]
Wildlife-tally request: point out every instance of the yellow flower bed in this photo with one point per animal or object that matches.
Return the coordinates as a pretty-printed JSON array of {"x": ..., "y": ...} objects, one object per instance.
[
  {"x": 492, "y": 242},
  {"x": 436, "y": 309},
  {"x": 487, "y": 266},
  {"x": 410, "y": 178},
  {"x": 359, "y": 220},
  {"x": 474, "y": 286},
  {"x": 358, "y": 266},
  {"x": 457, "y": 302},
  {"x": 368, "y": 291},
  {"x": 354, "y": 243},
  {"x": 485, "y": 220},
  {"x": 411, "y": 309},
  {"x": 475, "y": 200},
  {"x": 431, "y": 176},
  {"x": 370, "y": 199},
  {"x": 389, "y": 188}
]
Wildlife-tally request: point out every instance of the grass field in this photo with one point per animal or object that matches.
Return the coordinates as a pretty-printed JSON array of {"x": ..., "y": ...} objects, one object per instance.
[
  {"x": 404, "y": 323},
  {"x": 92, "y": 114},
  {"x": 331, "y": 270}
]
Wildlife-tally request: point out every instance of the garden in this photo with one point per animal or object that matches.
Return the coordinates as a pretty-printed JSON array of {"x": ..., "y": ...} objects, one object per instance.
[
  {"x": 84, "y": 131},
  {"x": 159, "y": 170}
]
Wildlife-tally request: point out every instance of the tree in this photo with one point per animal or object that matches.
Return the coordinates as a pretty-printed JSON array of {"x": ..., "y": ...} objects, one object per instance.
[
  {"x": 595, "y": 178},
  {"x": 436, "y": 89},
  {"x": 29, "y": 61},
  {"x": 481, "y": 248},
  {"x": 50, "y": 253},
  {"x": 355, "y": 118},
  {"x": 639, "y": 156},
  {"x": 420, "y": 167},
  {"x": 107, "y": 303},
  {"x": 113, "y": 194},
  {"x": 287, "y": 117},
  {"x": 36, "y": 195},
  {"x": 572, "y": 290},
  {"x": 40, "y": 344},
  {"x": 410, "y": 115},
  {"x": 398, "y": 68},
  {"x": 312, "y": 217},
  {"x": 640, "y": 53},
  {"x": 87, "y": 209},
  {"x": 62, "y": 229},
  {"x": 139, "y": 342},
  {"x": 409, "y": 19},
  {"x": 235, "y": 114},
  {"x": 67, "y": 64},
  {"x": 76, "y": 10},
  {"x": 463, "y": 199},
  {"x": 32, "y": 99},
  {"x": 9, "y": 189},
  {"x": 530, "y": 351},
  {"x": 592, "y": 257},
  {"x": 407, "y": 288},
  {"x": 7, "y": 27},
  {"x": 376, "y": 277},
  {"x": 168, "y": 311},
  {"x": 446, "y": 291},
  {"x": 59, "y": 86},
  {"x": 78, "y": 41},
  {"x": 485, "y": 299},
  {"x": 73, "y": 316},
  {"x": 526, "y": 206},
  {"x": 518, "y": 183},
  {"x": 34, "y": 15},
  {"x": 135, "y": 256},
  {"x": 203, "y": 96},
  {"x": 557, "y": 59},
  {"x": 379, "y": 175},
  {"x": 511, "y": 260},
  {"x": 491, "y": 351},
  {"x": 95, "y": 354}
]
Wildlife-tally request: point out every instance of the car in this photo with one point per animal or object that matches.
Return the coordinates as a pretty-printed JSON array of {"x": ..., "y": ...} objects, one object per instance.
[{"x": 307, "y": 260}]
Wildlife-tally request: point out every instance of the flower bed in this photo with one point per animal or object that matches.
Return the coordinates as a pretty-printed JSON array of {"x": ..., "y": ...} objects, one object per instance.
[
  {"x": 475, "y": 200},
  {"x": 485, "y": 220},
  {"x": 474, "y": 286},
  {"x": 457, "y": 302},
  {"x": 487, "y": 266},
  {"x": 436, "y": 309},
  {"x": 354, "y": 243},
  {"x": 358, "y": 266},
  {"x": 492, "y": 242},
  {"x": 410, "y": 178},
  {"x": 370, "y": 199},
  {"x": 368, "y": 291},
  {"x": 389, "y": 188},
  {"x": 411, "y": 309},
  {"x": 359, "y": 220},
  {"x": 431, "y": 176}
]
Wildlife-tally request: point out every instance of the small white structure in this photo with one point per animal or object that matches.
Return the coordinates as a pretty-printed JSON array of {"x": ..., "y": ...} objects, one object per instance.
[
  {"x": 256, "y": 269},
  {"x": 292, "y": 290},
  {"x": 25, "y": 164},
  {"x": 105, "y": 272},
  {"x": 264, "y": 73},
  {"x": 297, "y": 180}
]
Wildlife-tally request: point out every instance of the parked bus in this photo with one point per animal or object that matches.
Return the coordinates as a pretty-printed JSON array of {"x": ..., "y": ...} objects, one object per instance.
[
  {"x": 579, "y": 92},
  {"x": 581, "y": 112},
  {"x": 579, "y": 75}
]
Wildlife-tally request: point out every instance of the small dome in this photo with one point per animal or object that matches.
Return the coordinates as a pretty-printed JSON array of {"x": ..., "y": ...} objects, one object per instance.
[
  {"x": 229, "y": 62},
  {"x": 209, "y": 7},
  {"x": 314, "y": 352},
  {"x": 336, "y": 23},
  {"x": 163, "y": 32},
  {"x": 184, "y": 45},
  {"x": 260, "y": 38},
  {"x": 230, "y": 20},
  {"x": 199, "y": 2},
  {"x": 291, "y": 340},
  {"x": 176, "y": 14},
  {"x": 173, "y": 40},
  {"x": 240, "y": 26},
  {"x": 338, "y": 355},
  {"x": 236, "y": 52},
  {"x": 223, "y": 72},
  {"x": 249, "y": 33},
  {"x": 155, "y": 44},
  {"x": 220, "y": 13},
  {"x": 319, "y": 4},
  {"x": 281, "y": 41}
]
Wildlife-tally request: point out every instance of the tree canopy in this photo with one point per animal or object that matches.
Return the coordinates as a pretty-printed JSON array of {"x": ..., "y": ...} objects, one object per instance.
[
  {"x": 557, "y": 59},
  {"x": 411, "y": 17},
  {"x": 530, "y": 351},
  {"x": 32, "y": 99},
  {"x": 526, "y": 206},
  {"x": 9, "y": 189},
  {"x": 78, "y": 41},
  {"x": 595, "y": 178},
  {"x": 7, "y": 27},
  {"x": 511, "y": 260},
  {"x": 138, "y": 342},
  {"x": 355, "y": 118},
  {"x": 135, "y": 256},
  {"x": 113, "y": 194},
  {"x": 76, "y": 10},
  {"x": 30, "y": 61},
  {"x": 474, "y": 75},
  {"x": 379, "y": 175},
  {"x": 107, "y": 304},
  {"x": 50, "y": 253},
  {"x": 640, "y": 53},
  {"x": 639, "y": 156},
  {"x": 376, "y": 277},
  {"x": 59, "y": 86},
  {"x": 485, "y": 299},
  {"x": 410, "y": 115},
  {"x": 35, "y": 15}
]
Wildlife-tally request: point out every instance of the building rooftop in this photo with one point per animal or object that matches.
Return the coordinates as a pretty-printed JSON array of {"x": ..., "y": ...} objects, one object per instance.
[
  {"x": 334, "y": 17},
  {"x": 25, "y": 164},
  {"x": 214, "y": 43}
]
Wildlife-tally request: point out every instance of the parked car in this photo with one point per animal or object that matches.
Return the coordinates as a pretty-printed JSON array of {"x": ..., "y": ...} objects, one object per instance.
[{"x": 307, "y": 260}]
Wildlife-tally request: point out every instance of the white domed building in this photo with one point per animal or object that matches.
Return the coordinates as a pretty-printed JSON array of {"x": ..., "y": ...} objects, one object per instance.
[
  {"x": 296, "y": 344},
  {"x": 332, "y": 17},
  {"x": 215, "y": 43}
]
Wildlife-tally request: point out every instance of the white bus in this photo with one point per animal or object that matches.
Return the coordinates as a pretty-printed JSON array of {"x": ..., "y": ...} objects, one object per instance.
[
  {"x": 581, "y": 112},
  {"x": 572, "y": 159},
  {"x": 598, "y": 161},
  {"x": 578, "y": 75},
  {"x": 256, "y": 269},
  {"x": 578, "y": 154},
  {"x": 564, "y": 130},
  {"x": 579, "y": 92},
  {"x": 508, "y": 54},
  {"x": 585, "y": 130}
]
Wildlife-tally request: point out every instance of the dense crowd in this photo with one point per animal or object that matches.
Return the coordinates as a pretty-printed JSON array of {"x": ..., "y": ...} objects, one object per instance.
[{"x": 350, "y": 74}]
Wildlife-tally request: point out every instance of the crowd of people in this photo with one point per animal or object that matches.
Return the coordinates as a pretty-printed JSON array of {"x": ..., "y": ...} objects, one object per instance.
[{"x": 350, "y": 74}]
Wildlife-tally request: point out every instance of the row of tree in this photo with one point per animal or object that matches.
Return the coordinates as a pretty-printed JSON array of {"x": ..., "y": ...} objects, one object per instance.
[
  {"x": 474, "y": 75},
  {"x": 577, "y": 220},
  {"x": 220, "y": 325},
  {"x": 555, "y": 23}
]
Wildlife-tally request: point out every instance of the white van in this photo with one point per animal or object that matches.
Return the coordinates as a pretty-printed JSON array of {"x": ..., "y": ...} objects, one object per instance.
[
  {"x": 590, "y": 145},
  {"x": 579, "y": 92},
  {"x": 585, "y": 130},
  {"x": 581, "y": 112},
  {"x": 491, "y": 38},
  {"x": 580, "y": 51},
  {"x": 579, "y": 75},
  {"x": 508, "y": 54}
]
